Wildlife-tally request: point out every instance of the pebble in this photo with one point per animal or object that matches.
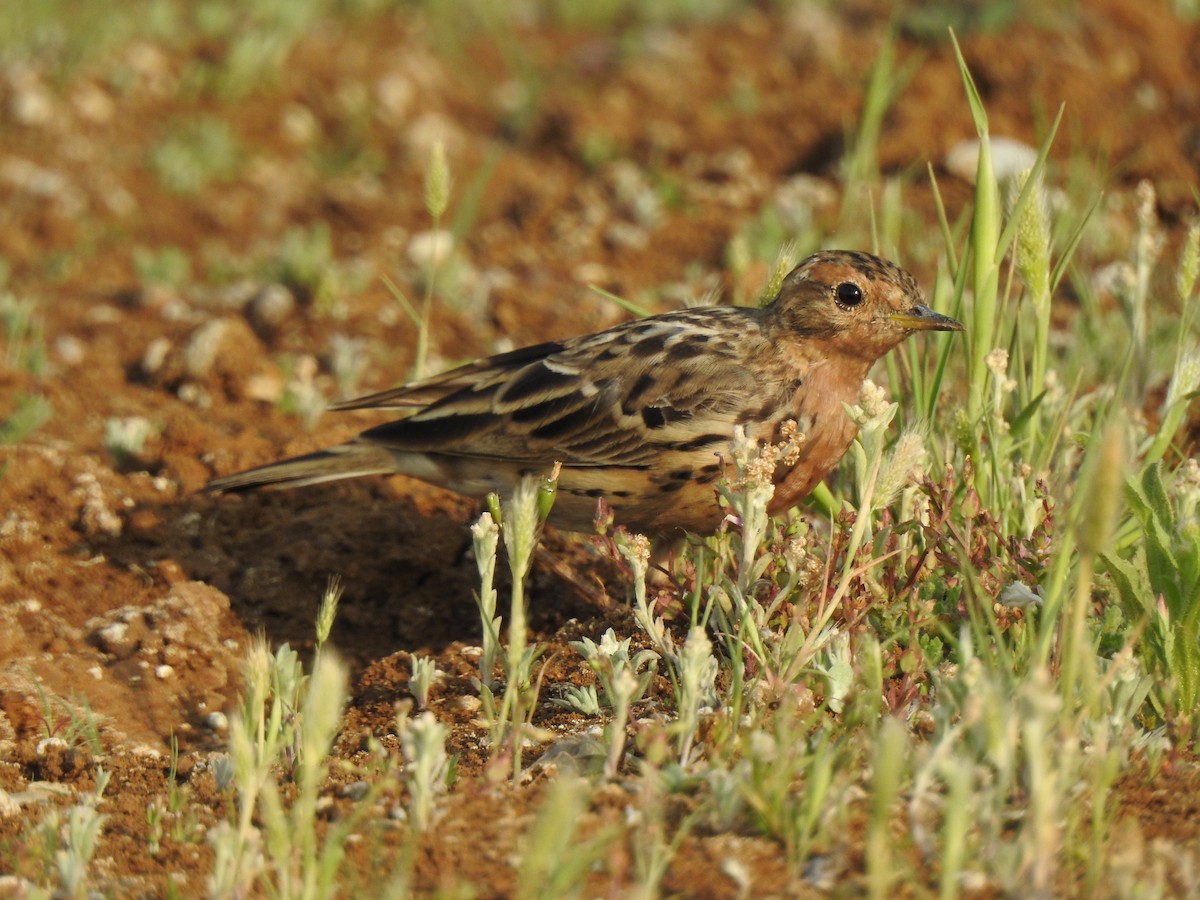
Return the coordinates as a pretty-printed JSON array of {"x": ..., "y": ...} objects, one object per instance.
[
  {"x": 69, "y": 349},
  {"x": 46, "y": 743},
  {"x": 467, "y": 703},
  {"x": 270, "y": 307},
  {"x": 113, "y": 639},
  {"x": 1010, "y": 158},
  {"x": 355, "y": 790},
  {"x": 430, "y": 249},
  {"x": 155, "y": 355},
  {"x": 200, "y": 353}
]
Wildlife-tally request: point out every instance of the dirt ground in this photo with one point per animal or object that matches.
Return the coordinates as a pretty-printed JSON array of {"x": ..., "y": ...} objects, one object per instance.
[{"x": 628, "y": 161}]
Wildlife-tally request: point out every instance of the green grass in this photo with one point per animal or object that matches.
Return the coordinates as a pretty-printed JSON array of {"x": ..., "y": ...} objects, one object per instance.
[
  {"x": 251, "y": 40},
  {"x": 31, "y": 413},
  {"x": 190, "y": 154}
]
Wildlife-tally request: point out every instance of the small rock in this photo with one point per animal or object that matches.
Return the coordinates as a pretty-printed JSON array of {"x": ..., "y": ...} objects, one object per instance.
[
  {"x": 591, "y": 273},
  {"x": 155, "y": 355},
  {"x": 298, "y": 124},
  {"x": 1010, "y": 158},
  {"x": 431, "y": 249},
  {"x": 466, "y": 703},
  {"x": 95, "y": 513},
  {"x": 203, "y": 347},
  {"x": 115, "y": 639},
  {"x": 93, "y": 102},
  {"x": 355, "y": 791},
  {"x": 394, "y": 94},
  {"x": 69, "y": 349},
  {"x": 45, "y": 745},
  {"x": 30, "y": 102},
  {"x": 270, "y": 307},
  {"x": 575, "y": 754},
  {"x": 155, "y": 297}
]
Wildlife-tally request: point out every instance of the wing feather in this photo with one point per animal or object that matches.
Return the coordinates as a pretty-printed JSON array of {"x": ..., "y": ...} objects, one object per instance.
[
  {"x": 430, "y": 390},
  {"x": 617, "y": 398}
]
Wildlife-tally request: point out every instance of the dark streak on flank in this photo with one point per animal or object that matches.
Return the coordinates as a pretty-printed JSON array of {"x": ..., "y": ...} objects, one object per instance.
[{"x": 699, "y": 443}]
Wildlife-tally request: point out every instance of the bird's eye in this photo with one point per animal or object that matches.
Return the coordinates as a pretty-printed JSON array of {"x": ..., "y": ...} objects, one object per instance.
[{"x": 849, "y": 294}]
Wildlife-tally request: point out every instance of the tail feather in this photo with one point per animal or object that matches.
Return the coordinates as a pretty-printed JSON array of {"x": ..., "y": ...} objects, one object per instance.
[{"x": 343, "y": 461}]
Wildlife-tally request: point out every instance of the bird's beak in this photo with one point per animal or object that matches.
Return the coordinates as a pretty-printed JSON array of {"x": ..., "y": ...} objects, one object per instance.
[{"x": 922, "y": 318}]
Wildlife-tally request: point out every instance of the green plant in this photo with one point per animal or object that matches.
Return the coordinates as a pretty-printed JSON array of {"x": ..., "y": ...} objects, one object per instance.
[
  {"x": 31, "y": 413},
  {"x": 485, "y": 536},
  {"x": 125, "y": 438},
  {"x": 437, "y": 200},
  {"x": 1158, "y": 582},
  {"x": 427, "y": 769},
  {"x": 521, "y": 521},
  {"x": 556, "y": 861},
  {"x": 301, "y": 396},
  {"x": 424, "y": 673},
  {"x": 304, "y": 262},
  {"x": 24, "y": 338},
  {"x": 66, "y": 844},
  {"x": 287, "y": 722},
  {"x": 169, "y": 266},
  {"x": 193, "y": 153},
  {"x": 624, "y": 679}
]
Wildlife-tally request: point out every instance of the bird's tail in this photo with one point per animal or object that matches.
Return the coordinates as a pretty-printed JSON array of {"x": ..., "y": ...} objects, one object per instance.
[{"x": 348, "y": 460}]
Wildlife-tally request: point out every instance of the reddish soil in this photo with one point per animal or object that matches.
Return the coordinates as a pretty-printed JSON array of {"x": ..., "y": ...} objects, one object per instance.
[{"x": 122, "y": 588}]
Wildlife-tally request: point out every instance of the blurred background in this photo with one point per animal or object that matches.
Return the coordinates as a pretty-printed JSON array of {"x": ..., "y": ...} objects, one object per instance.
[{"x": 270, "y": 157}]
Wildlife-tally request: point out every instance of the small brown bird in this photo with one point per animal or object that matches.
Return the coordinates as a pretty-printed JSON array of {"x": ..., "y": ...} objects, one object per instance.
[{"x": 643, "y": 414}]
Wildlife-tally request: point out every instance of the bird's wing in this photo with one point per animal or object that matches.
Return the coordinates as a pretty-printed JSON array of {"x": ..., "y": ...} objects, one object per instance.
[
  {"x": 430, "y": 390},
  {"x": 618, "y": 398}
]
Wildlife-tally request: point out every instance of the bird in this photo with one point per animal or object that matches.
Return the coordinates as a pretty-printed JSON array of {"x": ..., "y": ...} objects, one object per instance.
[{"x": 644, "y": 414}]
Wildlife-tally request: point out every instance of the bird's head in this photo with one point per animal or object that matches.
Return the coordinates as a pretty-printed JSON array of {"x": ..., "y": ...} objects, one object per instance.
[{"x": 853, "y": 303}]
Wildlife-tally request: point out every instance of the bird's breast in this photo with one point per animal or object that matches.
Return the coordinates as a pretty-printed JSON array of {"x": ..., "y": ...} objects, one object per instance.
[{"x": 818, "y": 406}]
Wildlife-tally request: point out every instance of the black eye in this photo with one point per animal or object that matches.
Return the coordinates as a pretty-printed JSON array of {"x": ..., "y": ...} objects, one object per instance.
[{"x": 849, "y": 294}]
